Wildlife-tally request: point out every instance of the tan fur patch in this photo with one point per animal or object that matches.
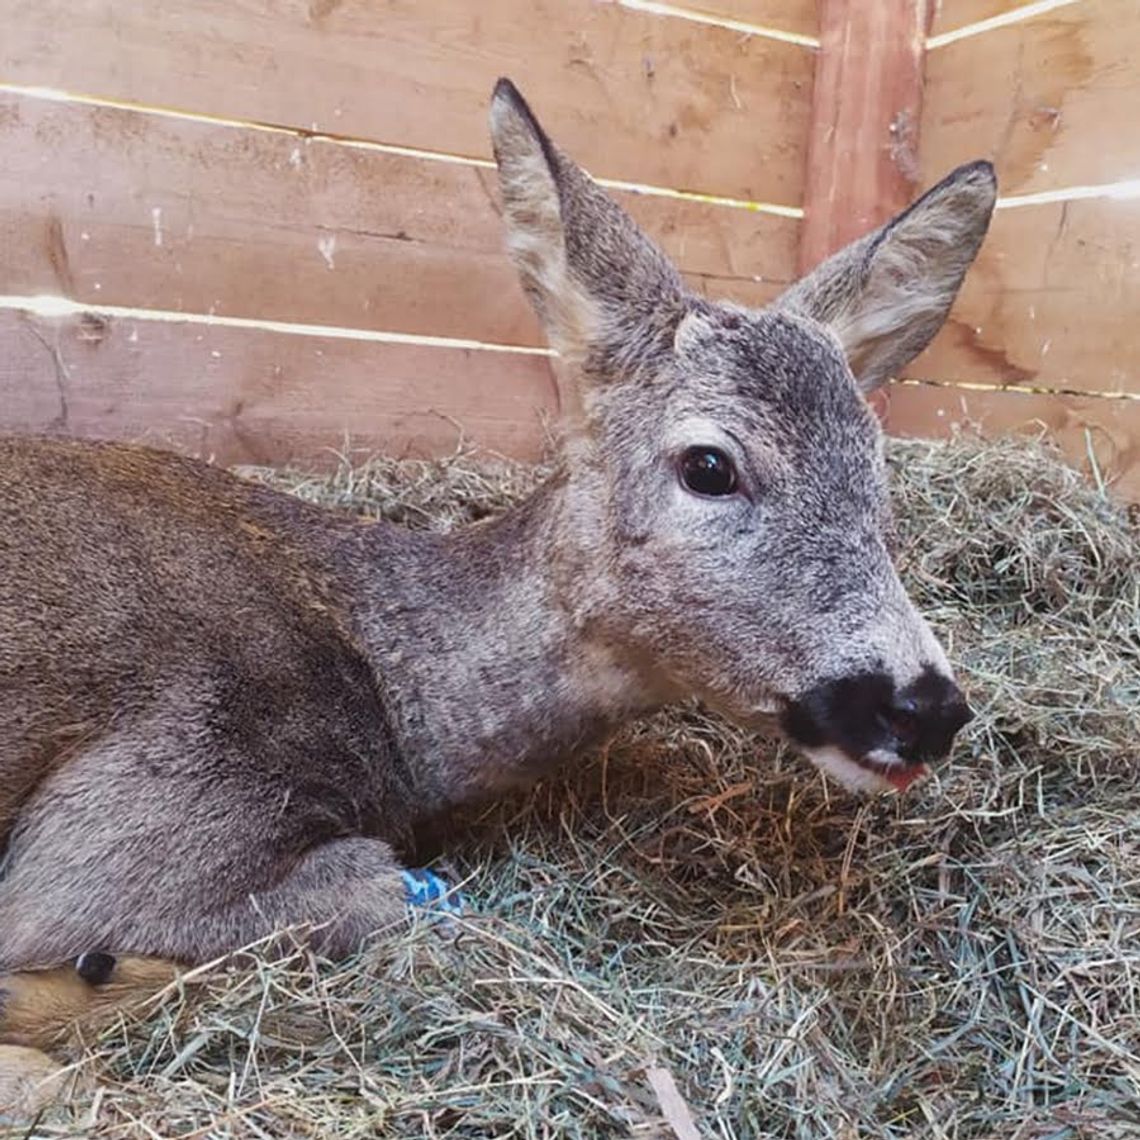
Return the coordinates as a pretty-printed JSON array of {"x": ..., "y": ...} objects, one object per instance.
[
  {"x": 41, "y": 1007},
  {"x": 30, "y": 1081}
]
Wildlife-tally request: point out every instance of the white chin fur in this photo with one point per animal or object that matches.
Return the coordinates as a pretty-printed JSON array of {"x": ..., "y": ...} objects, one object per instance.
[{"x": 852, "y": 776}]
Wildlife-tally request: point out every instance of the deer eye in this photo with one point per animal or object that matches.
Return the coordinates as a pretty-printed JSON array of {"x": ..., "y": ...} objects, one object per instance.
[{"x": 707, "y": 471}]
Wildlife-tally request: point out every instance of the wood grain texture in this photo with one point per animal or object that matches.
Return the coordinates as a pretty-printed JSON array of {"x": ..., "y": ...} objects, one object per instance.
[
  {"x": 800, "y": 16},
  {"x": 1051, "y": 302},
  {"x": 116, "y": 207},
  {"x": 1052, "y": 100},
  {"x": 634, "y": 96},
  {"x": 243, "y": 396},
  {"x": 950, "y": 15},
  {"x": 862, "y": 162},
  {"x": 1111, "y": 428}
]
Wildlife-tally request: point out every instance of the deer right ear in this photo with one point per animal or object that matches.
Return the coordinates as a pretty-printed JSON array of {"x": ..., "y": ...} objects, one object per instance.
[
  {"x": 528, "y": 173},
  {"x": 886, "y": 295},
  {"x": 595, "y": 280}
]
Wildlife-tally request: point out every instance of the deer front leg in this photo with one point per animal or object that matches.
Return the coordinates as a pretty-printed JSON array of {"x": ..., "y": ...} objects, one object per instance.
[
  {"x": 334, "y": 897},
  {"x": 36, "y": 1005},
  {"x": 38, "y": 1008},
  {"x": 29, "y": 1082}
]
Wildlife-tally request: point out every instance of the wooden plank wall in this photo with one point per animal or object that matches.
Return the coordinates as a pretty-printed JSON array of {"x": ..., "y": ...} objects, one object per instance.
[
  {"x": 1044, "y": 332},
  {"x": 324, "y": 163}
]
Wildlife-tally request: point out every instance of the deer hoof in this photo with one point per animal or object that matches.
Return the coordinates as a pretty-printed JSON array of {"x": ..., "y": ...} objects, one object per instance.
[{"x": 95, "y": 968}]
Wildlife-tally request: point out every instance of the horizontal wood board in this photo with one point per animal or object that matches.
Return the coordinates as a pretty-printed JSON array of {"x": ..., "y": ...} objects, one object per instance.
[
  {"x": 798, "y": 16},
  {"x": 116, "y": 207},
  {"x": 1052, "y": 100},
  {"x": 632, "y": 94},
  {"x": 1110, "y": 429},
  {"x": 950, "y": 15},
  {"x": 249, "y": 396},
  {"x": 1050, "y": 303}
]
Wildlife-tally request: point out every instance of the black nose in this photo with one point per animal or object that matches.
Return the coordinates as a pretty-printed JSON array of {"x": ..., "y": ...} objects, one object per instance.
[
  {"x": 925, "y": 717},
  {"x": 865, "y": 712}
]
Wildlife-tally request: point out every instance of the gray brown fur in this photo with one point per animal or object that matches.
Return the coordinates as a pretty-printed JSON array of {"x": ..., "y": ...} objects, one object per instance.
[{"x": 222, "y": 708}]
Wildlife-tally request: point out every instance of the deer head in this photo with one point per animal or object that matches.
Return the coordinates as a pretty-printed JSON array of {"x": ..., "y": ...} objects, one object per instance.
[{"x": 725, "y": 519}]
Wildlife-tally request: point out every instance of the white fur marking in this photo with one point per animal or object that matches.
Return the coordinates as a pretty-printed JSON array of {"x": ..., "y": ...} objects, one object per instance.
[{"x": 846, "y": 772}]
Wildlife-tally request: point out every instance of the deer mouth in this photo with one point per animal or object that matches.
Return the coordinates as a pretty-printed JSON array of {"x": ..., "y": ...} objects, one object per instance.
[
  {"x": 899, "y": 773},
  {"x": 877, "y": 771}
]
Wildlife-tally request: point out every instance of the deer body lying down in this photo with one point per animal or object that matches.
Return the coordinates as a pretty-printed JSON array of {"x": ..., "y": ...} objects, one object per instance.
[{"x": 222, "y": 707}]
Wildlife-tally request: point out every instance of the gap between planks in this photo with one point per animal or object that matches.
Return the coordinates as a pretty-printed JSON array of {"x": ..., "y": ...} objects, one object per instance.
[
  {"x": 1019, "y": 389},
  {"x": 49, "y": 306},
  {"x": 1124, "y": 190},
  {"x": 714, "y": 21},
  {"x": 992, "y": 23},
  {"x": 55, "y": 95}
]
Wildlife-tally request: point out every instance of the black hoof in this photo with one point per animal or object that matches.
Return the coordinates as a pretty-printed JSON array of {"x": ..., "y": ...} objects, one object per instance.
[{"x": 95, "y": 968}]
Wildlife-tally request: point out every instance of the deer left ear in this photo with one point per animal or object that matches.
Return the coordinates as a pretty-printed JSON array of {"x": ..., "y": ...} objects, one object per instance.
[{"x": 886, "y": 295}]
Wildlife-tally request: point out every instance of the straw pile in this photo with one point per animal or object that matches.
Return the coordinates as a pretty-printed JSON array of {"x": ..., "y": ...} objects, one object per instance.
[{"x": 694, "y": 935}]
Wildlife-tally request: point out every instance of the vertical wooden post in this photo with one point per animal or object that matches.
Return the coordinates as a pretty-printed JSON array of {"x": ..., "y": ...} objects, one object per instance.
[{"x": 862, "y": 149}]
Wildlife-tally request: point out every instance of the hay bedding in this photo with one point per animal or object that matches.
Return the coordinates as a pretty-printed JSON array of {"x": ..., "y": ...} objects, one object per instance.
[{"x": 694, "y": 928}]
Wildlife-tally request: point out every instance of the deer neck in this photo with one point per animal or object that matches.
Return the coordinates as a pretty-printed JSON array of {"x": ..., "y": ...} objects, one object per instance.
[{"x": 491, "y": 677}]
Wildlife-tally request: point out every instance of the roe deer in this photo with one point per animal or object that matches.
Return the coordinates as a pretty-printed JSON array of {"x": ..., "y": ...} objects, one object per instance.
[{"x": 223, "y": 707}]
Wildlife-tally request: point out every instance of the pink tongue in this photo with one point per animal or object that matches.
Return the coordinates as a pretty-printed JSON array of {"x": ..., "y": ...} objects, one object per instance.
[{"x": 902, "y": 778}]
